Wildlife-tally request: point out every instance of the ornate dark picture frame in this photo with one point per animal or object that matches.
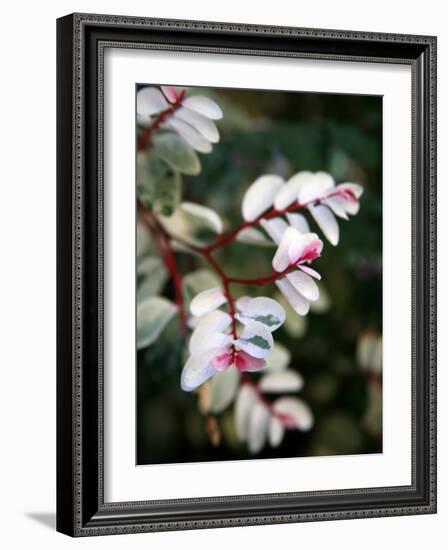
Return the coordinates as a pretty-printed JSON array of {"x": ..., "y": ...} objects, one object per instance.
[{"x": 81, "y": 40}]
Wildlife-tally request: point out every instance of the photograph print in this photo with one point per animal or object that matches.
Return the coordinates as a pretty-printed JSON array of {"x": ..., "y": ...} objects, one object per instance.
[{"x": 258, "y": 274}]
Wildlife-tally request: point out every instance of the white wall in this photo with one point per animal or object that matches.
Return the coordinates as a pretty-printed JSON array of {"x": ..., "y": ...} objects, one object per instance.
[{"x": 27, "y": 289}]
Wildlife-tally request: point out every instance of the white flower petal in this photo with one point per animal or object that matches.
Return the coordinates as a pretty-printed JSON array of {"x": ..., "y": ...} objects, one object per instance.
[
  {"x": 295, "y": 325},
  {"x": 289, "y": 193},
  {"x": 337, "y": 206},
  {"x": 310, "y": 271},
  {"x": 351, "y": 207},
  {"x": 263, "y": 310},
  {"x": 300, "y": 304},
  {"x": 316, "y": 187},
  {"x": 202, "y": 124},
  {"x": 305, "y": 247},
  {"x": 281, "y": 259},
  {"x": 206, "y": 215},
  {"x": 197, "y": 370},
  {"x": 278, "y": 359},
  {"x": 276, "y": 431},
  {"x": 298, "y": 221},
  {"x": 215, "y": 321},
  {"x": 304, "y": 284},
  {"x": 281, "y": 382},
  {"x": 354, "y": 188},
  {"x": 258, "y": 427},
  {"x": 192, "y": 322},
  {"x": 275, "y": 228},
  {"x": 190, "y": 135},
  {"x": 260, "y": 195},
  {"x": 242, "y": 302},
  {"x": 251, "y": 235},
  {"x": 223, "y": 387},
  {"x": 204, "y": 340},
  {"x": 245, "y": 401},
  {"x": 347, "y": 195},
  {"x": 207, "y": 301},
  {"x": 203, "y": 105},
  {"x": 296, "y": 410},
  {"x": 325, "y": 219},
  {"x": 150, "y": 101},
  {"x": 256, "y": 340}
]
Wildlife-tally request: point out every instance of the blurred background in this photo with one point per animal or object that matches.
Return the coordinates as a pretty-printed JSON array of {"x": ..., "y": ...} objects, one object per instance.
[{"x": 337, "y": 346}]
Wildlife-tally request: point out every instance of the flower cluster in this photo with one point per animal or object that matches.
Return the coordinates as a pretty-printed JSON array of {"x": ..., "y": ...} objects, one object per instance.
[
  {"x": 297, "y": 286},
  {"x": 271, "y": 202},
  {"x": 226, "y": 346},
  {"x": 215, "y": 344},
  {"x": 190, "y": 116},
  {"x": 259, "y": 420}
]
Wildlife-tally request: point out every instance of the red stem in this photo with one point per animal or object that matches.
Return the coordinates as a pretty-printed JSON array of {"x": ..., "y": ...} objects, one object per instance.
[
  {"x": 272, "y": 213},
  {"x": 144, "y": 137},
  {"x": 163, "y": 240},
  {"x": 170, "y": 261}
]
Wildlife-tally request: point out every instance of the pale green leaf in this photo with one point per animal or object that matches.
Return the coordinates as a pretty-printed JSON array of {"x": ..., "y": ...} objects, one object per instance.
[
  {"x": 263, "y": 310},
  {"x": 176, "y": 152},
  {"x": 153, "y": 314},
  {"x": 151, "y": 277},
  {"x": 223, "y": 387},
  {"x": 203, "y": 216},
  {"x": 144, "y": 243},
  {"x": 198, "y": 281},
  {"x": 193, "y": 223},
  {"x": 158, "y": 184}
]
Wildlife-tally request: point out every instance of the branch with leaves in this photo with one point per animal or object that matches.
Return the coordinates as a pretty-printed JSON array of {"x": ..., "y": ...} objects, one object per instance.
[{"x": 231, "y": 339}]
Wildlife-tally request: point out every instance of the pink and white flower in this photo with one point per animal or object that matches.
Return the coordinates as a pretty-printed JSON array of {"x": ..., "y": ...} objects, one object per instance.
[
  {"x": 258, "y": 420},
  {"x": 214, "y": 347},
  {"x": 325, "y": 200},
  {"x": 189, "y": 116},
  {"x": 298, "y": 286},
  {"x": 296, "y": 248},
  {"x": 317, "y": 192}
]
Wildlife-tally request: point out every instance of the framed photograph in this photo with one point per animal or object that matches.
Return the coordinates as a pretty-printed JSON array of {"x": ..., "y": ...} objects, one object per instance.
[{"x": 246, "y": 274}]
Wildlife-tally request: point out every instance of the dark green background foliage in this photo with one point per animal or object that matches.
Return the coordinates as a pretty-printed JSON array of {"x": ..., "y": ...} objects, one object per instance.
[{"x": 283, "y": 133}]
